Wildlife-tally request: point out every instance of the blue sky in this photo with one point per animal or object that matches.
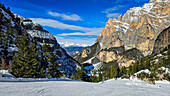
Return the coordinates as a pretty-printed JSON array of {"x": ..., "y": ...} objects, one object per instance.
[{"x": 78, "y": 21}]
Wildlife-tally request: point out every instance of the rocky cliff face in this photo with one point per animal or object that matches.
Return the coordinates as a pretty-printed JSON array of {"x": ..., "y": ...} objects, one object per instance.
[
  {"x": 162, "y": 41},
  {"x": 137, "y": 29},
  {"x": 37, "y": 33}
]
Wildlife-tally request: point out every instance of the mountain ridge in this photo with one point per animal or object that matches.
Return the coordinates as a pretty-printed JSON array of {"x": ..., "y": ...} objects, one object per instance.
[
  {"x": 137, "y": 28},
  {"x": 38, "y": 34}
]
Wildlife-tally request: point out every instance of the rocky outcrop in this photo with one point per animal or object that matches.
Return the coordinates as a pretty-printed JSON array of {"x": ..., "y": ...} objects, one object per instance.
[
  {"x": 162, "y": 41},
  {"x": 87, "y": 53},
  {"x": 37, "y": 32},
  {"x": 137, "y": 29}
]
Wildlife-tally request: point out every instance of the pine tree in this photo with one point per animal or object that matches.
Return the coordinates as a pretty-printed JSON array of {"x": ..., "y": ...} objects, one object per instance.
[
  {"x": 8, "y": 10},
  {"x": 26, "y": 61},
  {"x": 1, "y": 23},
  {"x": 44, "y": 54},
  {"x": 83, "y": 75},
  {"x": 100, "y": 78},
  {"x": 46, "y": 47},
  {"x": 104, "y": 76},
  {"x": 53, "y": 67},
  {"x": 78, "y": 75},
  {"x": 8, "y": 35},
  {"x": 107, "y": 74},
  {"x": 94, "y": 76},
  {"x": 3, "y": 64},
  {"x": 42, "y": 73},
  {"x": 123, "y": 71},
  {"x": 2, "y": 36},
  {"x": 130, "y": 70},
  {"x": 135, "y": 68},
  {"x": 73, "y": 76},
  {"x": 111, "y": 72},
  {"x": 118, "y": 72},
  {"x": 33, "y": 64}
]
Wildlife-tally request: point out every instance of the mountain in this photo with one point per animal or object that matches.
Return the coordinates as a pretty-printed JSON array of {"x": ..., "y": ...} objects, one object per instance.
[
  {"x": 72, "y": 48},
  {"x": 71, "y": 44},
  {"x": 36, "y": 34},
  {"x": 140, "y": 32}
]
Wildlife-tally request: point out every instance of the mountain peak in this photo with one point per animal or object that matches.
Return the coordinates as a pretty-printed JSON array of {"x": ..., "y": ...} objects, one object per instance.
[{"x": 132, "y": 35}]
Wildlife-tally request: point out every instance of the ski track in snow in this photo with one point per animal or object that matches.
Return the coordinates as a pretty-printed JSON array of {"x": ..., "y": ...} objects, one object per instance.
[{"x": 76, "y": 88}]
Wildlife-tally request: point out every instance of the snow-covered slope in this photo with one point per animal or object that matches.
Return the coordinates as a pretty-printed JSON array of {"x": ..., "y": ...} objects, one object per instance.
[{"x": 75, "y": 88}]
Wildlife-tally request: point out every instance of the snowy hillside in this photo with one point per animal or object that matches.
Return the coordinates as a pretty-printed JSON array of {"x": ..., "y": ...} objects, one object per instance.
[{"x": 76, "y": 88}]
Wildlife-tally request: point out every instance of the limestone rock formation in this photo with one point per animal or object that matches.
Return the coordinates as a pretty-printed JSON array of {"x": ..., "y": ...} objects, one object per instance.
[
  {"x": 137, "y": 29},
  {"x": 162, "y": 41}
]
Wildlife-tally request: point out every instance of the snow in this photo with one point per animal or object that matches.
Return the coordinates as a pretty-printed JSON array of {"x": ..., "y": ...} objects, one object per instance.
[
  {"x": 167, "y": 1},
  {"x": 124, "y": 27},
  {"x": 89, "y": 61},
  {"x": 145, "y": 71},
  {"x": 166, "y": 69},
  {"x": 156, "y": 60},
  {"x": 68, "y": 44},
  {"x": 13, "y": 79},
  {"x": 12, "y": 49},
  {"x": 8, "y": 75},
  {"x": 100, "y": 45},
  {"x": 40, "y": 34},
  {"x": 162, "y": 82},
  {"x": 76, "y": 88},
  {"x": 137, "y": 11},
  {"x": 107, "y": 25},
  {"x": 147, "y": 7},
  {"x": 160, "y": 21},
  {"x": 158, "y": 0},
  {"x": 166, "y": 52},
  {"x": 159, "y": 55},
  {"x": 97, "y": 66},
  {"x": 7, "y": 16}
]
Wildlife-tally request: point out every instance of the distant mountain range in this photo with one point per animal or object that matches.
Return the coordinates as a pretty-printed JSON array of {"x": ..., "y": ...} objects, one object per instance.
[{"x": 72, "y": 48}]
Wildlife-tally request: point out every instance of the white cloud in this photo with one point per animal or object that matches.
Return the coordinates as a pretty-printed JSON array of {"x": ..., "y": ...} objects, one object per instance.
[
  {"x": 112, "y": 9},
  {"x": 77, "y": 40},
  {"x": 59, "y": 25},
  {"x": 113, "y": 15},
  {"x": 88, "y": 38},
  {"x": 110, "y": 12},
  {"x": 94, "y": 31},
  {"x": 73, "y": 17}
]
